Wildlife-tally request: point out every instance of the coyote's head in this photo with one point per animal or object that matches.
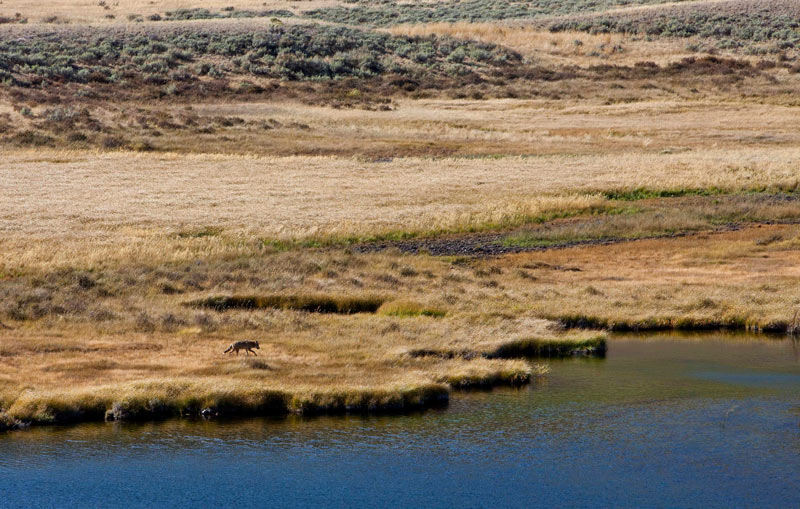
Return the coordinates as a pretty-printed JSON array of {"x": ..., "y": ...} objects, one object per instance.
[{"x": 256, "y": 342}]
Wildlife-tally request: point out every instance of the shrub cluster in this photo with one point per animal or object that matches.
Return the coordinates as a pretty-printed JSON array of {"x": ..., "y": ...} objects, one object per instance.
[
  {"x": 734, "y": 24},
  {"x": 230, "y": 12},
  {"x": 295, "y": 52},
  {"x": 391, "y": 12}
]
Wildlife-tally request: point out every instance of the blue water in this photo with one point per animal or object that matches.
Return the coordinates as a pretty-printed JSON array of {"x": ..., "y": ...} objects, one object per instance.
[{"x": 660, "y": 422}]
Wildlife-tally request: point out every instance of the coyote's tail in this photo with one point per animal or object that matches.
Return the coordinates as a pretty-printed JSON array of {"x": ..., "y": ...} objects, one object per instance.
[{"x": 229, "y": 349}]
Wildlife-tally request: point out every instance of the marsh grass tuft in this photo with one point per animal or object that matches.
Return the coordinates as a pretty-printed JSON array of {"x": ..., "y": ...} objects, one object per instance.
[
  {"x": 794, "y": 325},
  {"x": 372, "y": 401},
  {"x": 485, "y": 374},
  {"x": 556, "y": 347},
  {"x": 257, "y": 364},
  {"x": 680, "y": 323},
  {"x": 406, "y": 308},
  {"x": 543, "y": 347},
  {"x": 309, "y": 303},
  {"x": 479, "y": 381},
  {"x": 6, "y": 422}
]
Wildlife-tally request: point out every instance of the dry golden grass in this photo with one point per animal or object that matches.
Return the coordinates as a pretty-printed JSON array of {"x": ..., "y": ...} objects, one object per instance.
[
  {"x": 491, "y": 127},
  {"x": 91, "y": 11},
  {"x": 737, "y": 279},
  {"x": 450, "y": 128},
  {"x": 560, "y": 48},
  {"x": 68, "y": 209}
]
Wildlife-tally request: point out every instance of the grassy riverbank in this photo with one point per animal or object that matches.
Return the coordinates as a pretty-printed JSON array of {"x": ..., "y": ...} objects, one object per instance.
[{"x": 124, "y": 337}]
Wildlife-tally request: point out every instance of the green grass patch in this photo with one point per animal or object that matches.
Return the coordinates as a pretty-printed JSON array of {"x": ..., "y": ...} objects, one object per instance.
[
  {"x": 565, "y": 238},
  {"x": 644, "y": 193},
  {"x": 668, "y": 213},
  {"x": 408, "y": 308},
  {"x": 527, "y": 240},
  {"x": 405, "y": 235}
]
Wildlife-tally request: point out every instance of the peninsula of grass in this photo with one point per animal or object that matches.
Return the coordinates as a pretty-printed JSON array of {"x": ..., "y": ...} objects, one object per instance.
[
  {"x": 182, "y": 398},
  {"x": 150, "y": 401}
]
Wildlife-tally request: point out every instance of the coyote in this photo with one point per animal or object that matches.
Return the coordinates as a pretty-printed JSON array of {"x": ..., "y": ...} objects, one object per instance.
[{"x": 247, "y": 346}]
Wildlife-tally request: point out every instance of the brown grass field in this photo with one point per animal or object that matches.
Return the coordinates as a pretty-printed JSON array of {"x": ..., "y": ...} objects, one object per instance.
[
  {"x": 478, "y": 232},
  {"x": 94, "y": 11}
]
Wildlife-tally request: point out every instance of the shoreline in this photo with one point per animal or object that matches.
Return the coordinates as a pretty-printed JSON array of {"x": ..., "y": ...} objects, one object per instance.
[
  {"x": 155, "y": 401},
  {"x": 196, "y": 401},
  {"x": 152, "y": 401},
  {"x": 738, "y": 324}
]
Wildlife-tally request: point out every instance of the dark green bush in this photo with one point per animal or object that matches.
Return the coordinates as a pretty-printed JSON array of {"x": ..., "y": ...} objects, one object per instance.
[
  {"x": 226, "y": 12},
  {"x": 390, "y": 12},
  {"x": 294, "y": 52},
  {"x": 734, "y": 24}
]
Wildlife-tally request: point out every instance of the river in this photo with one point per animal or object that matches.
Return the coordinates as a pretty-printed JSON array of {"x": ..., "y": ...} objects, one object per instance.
[{"x": 707, "y": 420}]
